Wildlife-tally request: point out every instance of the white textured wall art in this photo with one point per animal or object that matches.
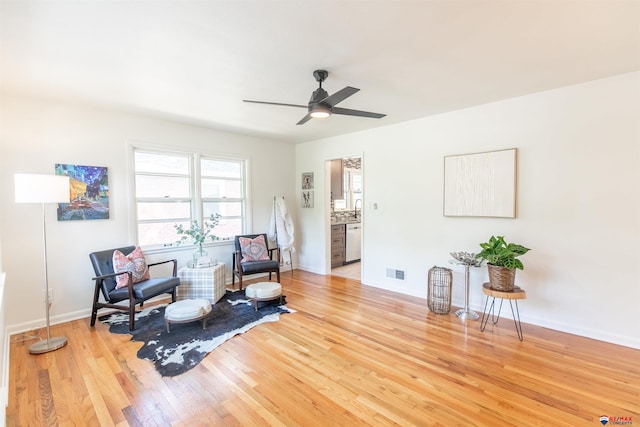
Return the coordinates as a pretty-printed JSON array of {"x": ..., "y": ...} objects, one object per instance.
[{"x": 481, "y": 184}]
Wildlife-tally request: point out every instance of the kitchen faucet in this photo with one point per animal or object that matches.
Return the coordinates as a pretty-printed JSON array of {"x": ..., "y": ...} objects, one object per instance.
[{"x": 355, "y": 208}]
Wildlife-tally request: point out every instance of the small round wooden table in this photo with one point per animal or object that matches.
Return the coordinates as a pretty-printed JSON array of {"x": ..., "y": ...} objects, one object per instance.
[{"x": 514, "y": 296}]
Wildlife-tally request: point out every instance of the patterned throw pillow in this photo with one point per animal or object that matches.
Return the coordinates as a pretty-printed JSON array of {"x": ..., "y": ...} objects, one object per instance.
[
  {"x": 253, "y": 249},
  {"x": 134, "y": 262}
]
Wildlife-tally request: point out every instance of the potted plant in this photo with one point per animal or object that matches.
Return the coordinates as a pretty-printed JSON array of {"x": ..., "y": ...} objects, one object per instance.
[
  {"x": 502, "y": 262},
  {"x": 198, "y": 234}
]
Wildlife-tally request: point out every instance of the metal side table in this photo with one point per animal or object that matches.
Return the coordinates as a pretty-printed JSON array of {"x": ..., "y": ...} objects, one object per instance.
[{"x": 466, "y": 312}]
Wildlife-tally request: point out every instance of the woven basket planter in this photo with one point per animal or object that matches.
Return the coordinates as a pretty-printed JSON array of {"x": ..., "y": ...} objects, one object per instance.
[
  {"x": 439, "y": 290},
  {"x": 501, "y": 278}
]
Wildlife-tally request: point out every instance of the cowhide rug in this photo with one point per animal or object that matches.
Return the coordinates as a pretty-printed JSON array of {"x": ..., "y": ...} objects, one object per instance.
[{"x": 188, "y": 343}]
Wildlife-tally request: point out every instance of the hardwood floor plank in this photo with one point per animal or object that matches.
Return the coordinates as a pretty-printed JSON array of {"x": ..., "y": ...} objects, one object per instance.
[
  {"x": 349, "y": 355},
  {"x": 106, "y": 416}
]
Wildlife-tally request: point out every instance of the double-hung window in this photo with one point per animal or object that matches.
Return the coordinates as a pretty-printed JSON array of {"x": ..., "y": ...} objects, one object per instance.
[{"x": 176, "y": 188}]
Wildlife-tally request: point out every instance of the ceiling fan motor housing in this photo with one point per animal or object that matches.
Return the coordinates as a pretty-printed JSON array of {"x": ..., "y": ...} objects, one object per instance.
[
  {"x": 316, "y": 108},
  {"x": 317, "y": 96},
  {"x": 320, "y": 75}
]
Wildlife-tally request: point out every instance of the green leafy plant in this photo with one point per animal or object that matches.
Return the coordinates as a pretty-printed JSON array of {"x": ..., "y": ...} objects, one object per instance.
[
  {"x": 197, "y": 233},
  {"x": 502, "y": 254}
]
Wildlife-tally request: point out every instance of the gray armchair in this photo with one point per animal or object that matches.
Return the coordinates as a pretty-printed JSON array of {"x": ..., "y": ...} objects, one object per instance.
[
  {"x": 131, "y": 295},
  {"x": 241, "y": 269}
]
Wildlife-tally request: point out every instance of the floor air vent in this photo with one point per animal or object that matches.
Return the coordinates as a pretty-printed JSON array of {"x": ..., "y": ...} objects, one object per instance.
[{"x": 395, "y": 274}]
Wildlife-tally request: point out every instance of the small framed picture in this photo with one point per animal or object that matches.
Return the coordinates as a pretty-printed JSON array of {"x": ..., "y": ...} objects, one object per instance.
[
  {"x": 307, "y": 181},
  {"x": 307, "y": 198}
]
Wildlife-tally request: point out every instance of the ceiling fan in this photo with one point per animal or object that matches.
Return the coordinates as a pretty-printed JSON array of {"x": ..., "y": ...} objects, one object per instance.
[{"x": 322, "y": 105}]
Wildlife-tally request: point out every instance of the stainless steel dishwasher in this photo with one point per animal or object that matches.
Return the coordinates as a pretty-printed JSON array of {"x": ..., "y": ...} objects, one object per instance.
[{"x": 354, "y": 235}]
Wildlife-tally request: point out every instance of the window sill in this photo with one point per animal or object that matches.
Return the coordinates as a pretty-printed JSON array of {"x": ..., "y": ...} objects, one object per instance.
[{"x": 185, "y": 247}]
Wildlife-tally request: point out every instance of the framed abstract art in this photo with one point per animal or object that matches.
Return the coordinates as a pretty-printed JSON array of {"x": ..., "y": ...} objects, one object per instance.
[{"x": 481, "y": 184}]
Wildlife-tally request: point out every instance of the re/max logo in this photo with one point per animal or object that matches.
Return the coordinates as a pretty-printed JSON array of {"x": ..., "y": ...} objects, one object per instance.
[{"x": 616, "y": 420}]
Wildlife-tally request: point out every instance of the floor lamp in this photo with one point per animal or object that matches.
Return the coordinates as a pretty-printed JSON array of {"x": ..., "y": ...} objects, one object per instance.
[{"x": 43, "y": 189}]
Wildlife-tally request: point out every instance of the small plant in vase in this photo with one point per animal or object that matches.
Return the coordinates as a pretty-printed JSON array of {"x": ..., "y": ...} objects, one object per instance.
[
  {"x": 198, "y": 234},
  {"x": 502, "y": 261}
]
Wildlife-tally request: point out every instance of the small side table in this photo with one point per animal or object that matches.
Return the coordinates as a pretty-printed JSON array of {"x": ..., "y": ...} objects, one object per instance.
[
  {"x": 206, "y": 282},
  {"x": 514, "y": 296},
  {"x": 466, "y": 312}
]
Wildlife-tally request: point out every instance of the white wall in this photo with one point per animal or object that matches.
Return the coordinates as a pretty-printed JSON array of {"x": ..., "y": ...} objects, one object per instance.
[
  {"x": 578, "y": 203},
  {"x": 4, "y": 354},
  {"x": 4, "y": 337},
  {"x": 37, "y": 134}
]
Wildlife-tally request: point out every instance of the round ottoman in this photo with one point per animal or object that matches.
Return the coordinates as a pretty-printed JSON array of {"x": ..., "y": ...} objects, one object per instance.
[
  {"x": 188, "y": 310},
  {"x": 263, "y": 291}
]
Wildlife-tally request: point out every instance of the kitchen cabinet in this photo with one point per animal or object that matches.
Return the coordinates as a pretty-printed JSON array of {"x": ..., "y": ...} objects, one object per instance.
[
  {"x": 337, "y": 179},
  {"x": 337, "y": 245}
]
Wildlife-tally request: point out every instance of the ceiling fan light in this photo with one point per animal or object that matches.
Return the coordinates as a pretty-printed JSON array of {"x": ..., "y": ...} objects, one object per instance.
[{"x": 320, "y": 112}]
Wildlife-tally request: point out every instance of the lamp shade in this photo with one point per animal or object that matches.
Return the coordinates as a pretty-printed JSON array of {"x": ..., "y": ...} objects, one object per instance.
[{"x": 34, "y": 188}]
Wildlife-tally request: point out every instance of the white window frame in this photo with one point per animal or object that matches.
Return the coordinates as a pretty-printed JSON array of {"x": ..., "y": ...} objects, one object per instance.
[{"x": 196, "y": 199}]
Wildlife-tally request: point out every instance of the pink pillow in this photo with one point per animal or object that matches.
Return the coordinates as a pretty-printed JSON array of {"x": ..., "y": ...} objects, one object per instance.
[
  {"x": 134, "y": 262},
  {"x": 253, "y": 249}
]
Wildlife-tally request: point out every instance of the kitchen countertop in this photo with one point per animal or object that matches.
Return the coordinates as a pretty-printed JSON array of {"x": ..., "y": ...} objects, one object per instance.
[{"x": 345, "y": 221}]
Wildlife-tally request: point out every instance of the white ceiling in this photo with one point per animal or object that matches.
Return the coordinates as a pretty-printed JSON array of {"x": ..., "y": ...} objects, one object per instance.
[{"x": 194, "y": 61}]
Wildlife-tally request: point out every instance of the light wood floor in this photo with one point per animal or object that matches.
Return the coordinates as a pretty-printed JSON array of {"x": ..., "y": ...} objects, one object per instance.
[
  {"x": 350, "y": 271},
  {"x": 350, "y": 355}
]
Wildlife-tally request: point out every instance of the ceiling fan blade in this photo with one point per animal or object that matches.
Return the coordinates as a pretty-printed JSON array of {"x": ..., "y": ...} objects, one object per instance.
[
  {"x": 305, "y": 119},
  {"x": 339, "y": 96},
  {"x": 276, "y": 103},
  {"x": 349, "y": 112}
]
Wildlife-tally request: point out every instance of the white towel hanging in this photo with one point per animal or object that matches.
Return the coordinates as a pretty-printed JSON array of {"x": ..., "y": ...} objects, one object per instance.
[{"x": 281, "y": 229}]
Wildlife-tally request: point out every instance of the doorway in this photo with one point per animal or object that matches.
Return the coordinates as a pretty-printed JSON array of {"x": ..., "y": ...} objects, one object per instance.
[{"x": 345, "y": 201}]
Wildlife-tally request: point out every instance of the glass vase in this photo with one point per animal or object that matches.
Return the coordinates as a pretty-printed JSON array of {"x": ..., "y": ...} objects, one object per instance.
[{"x": 200, "y": 253}]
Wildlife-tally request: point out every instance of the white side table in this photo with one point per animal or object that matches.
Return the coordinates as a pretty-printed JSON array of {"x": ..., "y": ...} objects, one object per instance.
[{"x": 206, "y": 282}]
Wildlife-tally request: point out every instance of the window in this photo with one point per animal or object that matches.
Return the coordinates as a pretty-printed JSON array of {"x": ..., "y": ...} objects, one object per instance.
[
  {"x": 352, "y": 190},
  {"x": 176, "y": 188}
]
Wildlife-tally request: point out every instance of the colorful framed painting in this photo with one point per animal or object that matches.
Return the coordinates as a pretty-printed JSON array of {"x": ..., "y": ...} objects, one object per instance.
[{"x": 88, "y": 193}]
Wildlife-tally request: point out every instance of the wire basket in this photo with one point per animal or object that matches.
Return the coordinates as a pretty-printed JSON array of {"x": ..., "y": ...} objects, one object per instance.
[{"x": 439, "y": 290}]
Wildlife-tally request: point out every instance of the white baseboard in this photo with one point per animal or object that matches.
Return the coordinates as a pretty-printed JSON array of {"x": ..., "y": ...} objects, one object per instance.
[
  {"x": 4, "y": 400},
  {"x": 41, "y": 323},
  {"x": 311, "y": 269},
  {"x": 605, "y": 336},
  {"x": 4, "y": 396},
  {"x": 399, "y": 289},
  {"x": 626, "y": 341}
]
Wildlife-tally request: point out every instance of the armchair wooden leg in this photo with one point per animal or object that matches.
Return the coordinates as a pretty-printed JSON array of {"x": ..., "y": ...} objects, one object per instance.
[
  {"x": 94, "y": 309},
  {"x": 132, "y": 317},
  {"x": 94, "y": 315}
]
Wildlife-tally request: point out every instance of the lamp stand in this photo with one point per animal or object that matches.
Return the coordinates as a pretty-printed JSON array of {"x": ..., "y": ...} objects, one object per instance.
[{"x": 51, "y": 343}]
